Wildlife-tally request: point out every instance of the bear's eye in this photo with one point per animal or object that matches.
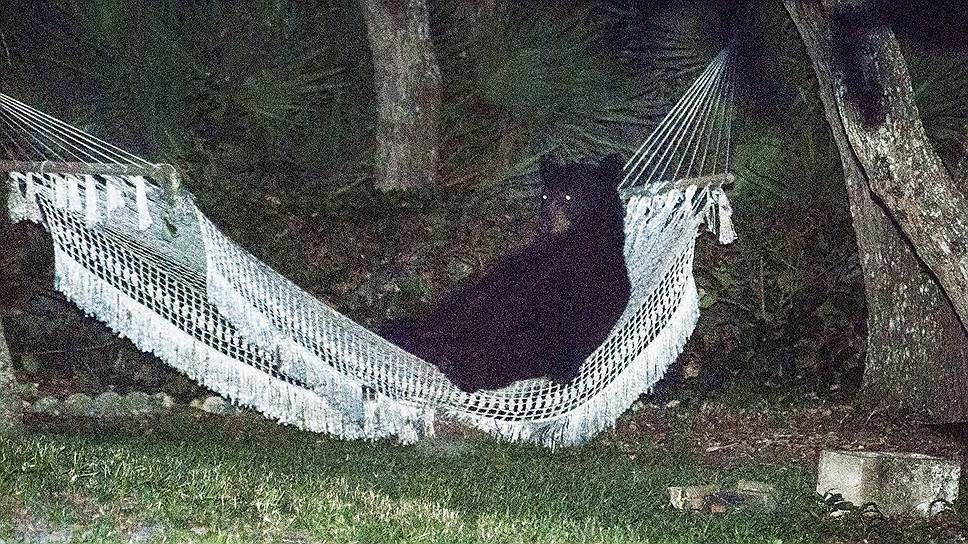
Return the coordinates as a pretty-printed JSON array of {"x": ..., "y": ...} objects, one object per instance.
[
  {"x": 567, "y": 197},
  {"x": 544, "y": 197}
]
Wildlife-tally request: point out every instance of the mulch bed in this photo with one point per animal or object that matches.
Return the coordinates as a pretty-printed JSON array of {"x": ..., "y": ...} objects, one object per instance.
[{"x": 724, "y": 435}]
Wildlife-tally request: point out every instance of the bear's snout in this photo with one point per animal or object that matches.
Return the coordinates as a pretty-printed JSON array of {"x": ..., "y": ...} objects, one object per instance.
[{"x": 558, "y": 220}]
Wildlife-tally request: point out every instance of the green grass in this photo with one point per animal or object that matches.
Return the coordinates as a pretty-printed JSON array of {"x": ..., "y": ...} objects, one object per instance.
[{"x": 202, "y": 481}]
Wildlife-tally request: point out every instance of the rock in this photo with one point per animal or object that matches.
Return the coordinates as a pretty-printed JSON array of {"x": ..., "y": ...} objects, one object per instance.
[
  {"x": 215, "y": 405},
  {"x": 752, "y": 486},
  {"x": 137, "y": 403},
  {"x": 898, "y": 483},
  {"x": 47, "y": 405},
  {"x": 109, "y": 405},
  {"x": 163, "y": 401},
  {"x": 748, "y": 495},
  {"x": 756, "y": 496},
  {"x": 673, "y": 404},
  {"x": 723, "y": 501},
  {"x": 79, "y": 405},
  {"x": 690, "y": 498},
  {"x": 728, "y": 500},
  {"x": 29, "y": 391},
  {"x": 29, "y": 364}
]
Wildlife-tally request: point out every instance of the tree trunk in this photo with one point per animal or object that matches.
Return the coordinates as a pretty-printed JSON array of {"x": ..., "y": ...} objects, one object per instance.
[
  {"x": 917, "y": 355},
  {"x": 961, "y": 174},
  {"x": 11, "y": 422},
  {"x": 889, "y": 141},
  {"x": 10, "y": 407},
  {"x": 407, "y": 82}
]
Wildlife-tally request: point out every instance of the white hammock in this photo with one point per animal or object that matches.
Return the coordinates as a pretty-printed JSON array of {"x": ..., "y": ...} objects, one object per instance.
[{"x": 132, "y": 250}]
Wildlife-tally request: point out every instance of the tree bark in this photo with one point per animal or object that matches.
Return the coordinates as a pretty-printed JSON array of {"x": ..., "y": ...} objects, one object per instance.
[
  {"x": 961, "y": 175},
  {"x": 11, "y": 417},
  {"x": 898, "y": 189},
  {"x": 407, "y": 83},
  {"x": 10, "y": 408},
  {"x": 902, "y": 167}
]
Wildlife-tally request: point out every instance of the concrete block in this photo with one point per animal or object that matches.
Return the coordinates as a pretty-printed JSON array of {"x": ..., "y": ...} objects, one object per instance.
[
  {"x": 757, "y": 495},
  {"x": 898, "y": 483},
  {"x": 690, "y": 498}
]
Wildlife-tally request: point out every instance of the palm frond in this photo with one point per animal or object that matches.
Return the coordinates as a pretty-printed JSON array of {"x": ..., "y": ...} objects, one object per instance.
[{"x": 941, "y": 92}]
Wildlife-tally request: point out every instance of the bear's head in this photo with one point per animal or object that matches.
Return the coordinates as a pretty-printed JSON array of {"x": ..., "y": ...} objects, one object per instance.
[{"x": 579, "y": 195}]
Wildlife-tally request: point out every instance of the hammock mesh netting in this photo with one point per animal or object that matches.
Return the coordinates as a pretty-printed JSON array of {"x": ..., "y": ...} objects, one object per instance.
[{"x": 132, "y": 250}]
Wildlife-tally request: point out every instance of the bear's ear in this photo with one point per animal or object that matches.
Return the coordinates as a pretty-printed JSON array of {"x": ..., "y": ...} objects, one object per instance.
[
  {"x": 611, "y": 169},
  {"x": 547, "y": 168}
]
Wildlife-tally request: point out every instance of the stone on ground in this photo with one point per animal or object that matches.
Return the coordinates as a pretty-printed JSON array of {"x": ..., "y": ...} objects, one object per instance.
[
  {"x": 214, "y": 405},
  {"x": 137, "y": 403},
  {"x": 748, "y": 495},
  {"x": 79, "y": 405},
  {"x": 29, "y": 391},
  {"x": 47, "y": 405},
  {"x": 757, "y": 495},
  {"x": 690, "y": 498},
  {"x": 897, "y": 483},
  {"x": 109, "y": 405},
  {"x": 163, "y": 401}
]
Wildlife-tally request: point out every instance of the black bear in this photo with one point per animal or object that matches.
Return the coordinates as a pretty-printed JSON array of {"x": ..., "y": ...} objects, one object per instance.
[{"x": 540, "y": 311}]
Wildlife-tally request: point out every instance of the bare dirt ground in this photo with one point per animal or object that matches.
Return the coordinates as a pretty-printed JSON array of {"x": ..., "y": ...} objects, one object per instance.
[{"x": 723, "y": 435}]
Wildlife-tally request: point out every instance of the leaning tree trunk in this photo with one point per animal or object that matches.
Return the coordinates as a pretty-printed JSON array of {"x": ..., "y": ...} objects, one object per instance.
[
  {"x": 899, "y": 190},
  {"x": 407, "y": 81},
  {"x": 10, "y": 403},
  {"x": 885, "y": 134},
  {"x": 10, "y": 407},
  {"x": 961, "y": 172}
]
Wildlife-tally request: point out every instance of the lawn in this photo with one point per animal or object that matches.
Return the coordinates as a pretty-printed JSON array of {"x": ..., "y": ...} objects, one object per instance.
[{"x": 202, "y": 479}]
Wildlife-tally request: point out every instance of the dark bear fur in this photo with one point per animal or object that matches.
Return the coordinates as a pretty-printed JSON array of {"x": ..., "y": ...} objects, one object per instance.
[{"x": 540, "y": 311}]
